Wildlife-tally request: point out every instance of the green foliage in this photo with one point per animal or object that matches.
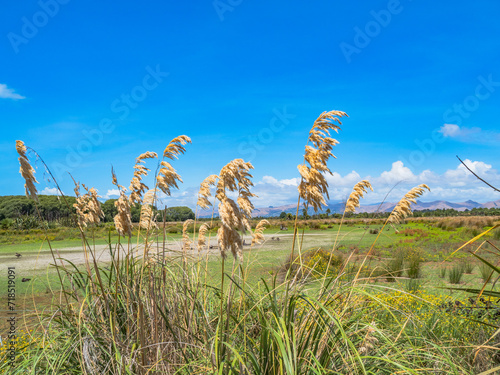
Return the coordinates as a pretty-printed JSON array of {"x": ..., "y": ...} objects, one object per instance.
[
  {"x": 51, "y": 207},
  {"x": 414, "y": 260},
  {"x": 395, "y": 265},
  {"x": 181, "y": 213},
  {"x": 468, "y": 266},
  {"x": 455, "y": 274},
  {"x": 442, "y": 272},
  {"x": 486, "y": 271}
]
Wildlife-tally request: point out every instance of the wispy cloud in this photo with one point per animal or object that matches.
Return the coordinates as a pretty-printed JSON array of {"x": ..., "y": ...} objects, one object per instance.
[
  {"x": 469, "y": 135},
  {"x": 456, "y": 184},
  {"x": 50, "y": 191},
  {"x": 7, "y": 93}
]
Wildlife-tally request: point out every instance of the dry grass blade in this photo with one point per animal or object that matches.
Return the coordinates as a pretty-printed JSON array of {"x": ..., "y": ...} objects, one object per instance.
[
  {"x": 358, "y": 192},
  {"x": 27, "y": 171}
]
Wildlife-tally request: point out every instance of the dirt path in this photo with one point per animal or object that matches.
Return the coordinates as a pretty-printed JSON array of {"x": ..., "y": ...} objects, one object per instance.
[{"x": 40, "y": 261}]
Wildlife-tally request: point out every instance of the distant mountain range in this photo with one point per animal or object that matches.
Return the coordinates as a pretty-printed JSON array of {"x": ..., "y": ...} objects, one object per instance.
[{"x": 338, "y": 207}]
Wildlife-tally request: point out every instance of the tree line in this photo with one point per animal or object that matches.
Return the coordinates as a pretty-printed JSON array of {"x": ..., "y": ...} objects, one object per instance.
[{"x": 53, "y": 208}]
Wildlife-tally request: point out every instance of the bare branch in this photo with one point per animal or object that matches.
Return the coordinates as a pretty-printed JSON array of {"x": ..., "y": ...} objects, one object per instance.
[{"x": 479, "y": 178}]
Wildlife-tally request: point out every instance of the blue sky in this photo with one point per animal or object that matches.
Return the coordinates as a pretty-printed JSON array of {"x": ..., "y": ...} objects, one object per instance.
[{"x": 92, "y": 84}]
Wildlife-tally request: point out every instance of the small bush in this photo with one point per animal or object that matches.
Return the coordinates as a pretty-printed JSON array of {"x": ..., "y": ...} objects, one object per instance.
[
  {"x": 455, "y": 274},
  {"x": 442, "y": 272},
  {"x": 413, "y": 285},
  {"x": 485, "y": 271},
  {"x": 395, "y": 266},
  {"x": 414, "y": 267},
  {"x": 172, "y": 230},
  {"x": 468, "y": 266},
  {"x": 496, "y": 234},
  {"x": 315, "y": 263}
]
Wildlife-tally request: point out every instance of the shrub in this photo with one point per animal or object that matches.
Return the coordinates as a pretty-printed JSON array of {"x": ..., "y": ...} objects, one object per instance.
[
  {"x": 395, "y": 266},
  {"x": 442, "y": 272},
  {"x": 316, "y": 263},
  {"x": 468, "y": 266},
  {"x": 455, "y": 274},
  {"x": 6, "y": 223},
  {"x": 413, "y": 285},
  {"x": 414, "y": 267},
  {"x": 485, "y": 271}
]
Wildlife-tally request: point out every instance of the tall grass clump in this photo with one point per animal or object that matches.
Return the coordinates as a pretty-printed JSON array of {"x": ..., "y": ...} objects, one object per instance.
[
  {"x": 486, "y": 272},
  {"x": 414, "y": 264},
  {"x": 395, "y": 265},
  {"x": 160, "y": 310},
  {"x": 455, "y": 274}
]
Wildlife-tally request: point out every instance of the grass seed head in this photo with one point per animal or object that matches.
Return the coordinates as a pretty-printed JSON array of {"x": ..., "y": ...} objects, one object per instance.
[
  {"x": 27, "y": 171},
  {"x": 358, "y": 192},
  {"x": 176, "y": 147},
  {"x": 403, "y": 208},
  {"x": 147, "y": 221},
  {"x": 137, "y": 187},
  {"x": 202, "y": 240},
  {"x": 123, "y": 219},
  {"x": 204, "y": 192},
  {"x": 186, "y": 240},
  {"x": 313, "y": 187},
  {"x": 258, "y": 233}
]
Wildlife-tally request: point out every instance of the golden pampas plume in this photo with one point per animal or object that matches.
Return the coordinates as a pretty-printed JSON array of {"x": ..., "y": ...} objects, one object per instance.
[
  {"x": 137, "y": 187},
  {"x": 27, "y": 171},
  {"x": 403, "y": 208},
  {"x": 146, "y": 219},
  {"x": 176, "y": 147},
  {"x": 202, "y": 239},
  {"x": 204, "y": 192},
  {"x": 123, "y": 219},
  {"x": 234, "y": 176},
  {"x": 186, "y": 240},
  {"x": 87, "y": 206},
  {"x": 313, "y": 187},
  {"x": 167, "y": 176},
  {"x": 358, "y": 192},
  {"x": 258, "y": 233}
]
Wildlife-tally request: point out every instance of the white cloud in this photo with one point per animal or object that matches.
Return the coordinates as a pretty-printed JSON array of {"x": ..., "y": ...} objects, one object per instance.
[
  {"x": 50, "y": 191},
  {"x": 397, "y": 174},
  {"x": 456, "y": 184},
  {"x": 112, "y": 193},
  {"x": 464, "y": 134},
  {"x": 6, "y": 93}
]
